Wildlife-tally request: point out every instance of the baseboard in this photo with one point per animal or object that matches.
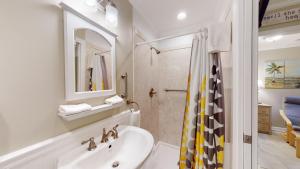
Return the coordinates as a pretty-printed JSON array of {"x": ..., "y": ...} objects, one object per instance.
[{"x": 278, "y": 129}]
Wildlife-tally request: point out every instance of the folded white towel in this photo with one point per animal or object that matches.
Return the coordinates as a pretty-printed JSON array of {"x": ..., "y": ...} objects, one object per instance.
[
  {"x": 114, "y": 100},
  {"x": 74, "y": 109}
]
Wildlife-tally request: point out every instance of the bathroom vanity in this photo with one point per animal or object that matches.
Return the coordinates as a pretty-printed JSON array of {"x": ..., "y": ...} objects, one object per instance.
[{"x": 66, "y": 152}]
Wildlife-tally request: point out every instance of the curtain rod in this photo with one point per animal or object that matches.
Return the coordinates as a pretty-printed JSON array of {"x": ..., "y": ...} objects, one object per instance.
[
  {"x": 189, "y": 47},
  {"x": 167, "y": 37}
]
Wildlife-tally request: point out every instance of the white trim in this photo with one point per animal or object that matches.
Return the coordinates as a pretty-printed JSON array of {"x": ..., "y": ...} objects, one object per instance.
[
  {"x": 81, "y": 64},
  {"x": 243, "y": 84},
  {"x": 254, "y": 95},
  {"x": 248, "y": 82},
  {"x": 94, "y": 110},
  {"x": 71, "y": 22},
  {"x": 67, "y": 7},
  {"x": 278, "y": 129},
  {"x": 237, "y": 82}
]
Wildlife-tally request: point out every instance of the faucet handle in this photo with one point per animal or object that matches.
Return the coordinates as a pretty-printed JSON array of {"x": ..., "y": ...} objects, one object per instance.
[
  {"x": 104, "y": 138},
  {"x": 116, "y": 126},
  {"x": 92, "y": 144},
  {"x": 86, "y": 141},
  {"x": 116, "y": 131}
]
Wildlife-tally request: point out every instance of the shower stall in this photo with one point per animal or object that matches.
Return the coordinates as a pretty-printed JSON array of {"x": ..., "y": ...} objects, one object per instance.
[{"x": 162, "y": 67}]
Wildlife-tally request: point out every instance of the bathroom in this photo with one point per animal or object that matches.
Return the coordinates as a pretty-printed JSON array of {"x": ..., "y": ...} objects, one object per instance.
[{"x": 100, "y": 84}]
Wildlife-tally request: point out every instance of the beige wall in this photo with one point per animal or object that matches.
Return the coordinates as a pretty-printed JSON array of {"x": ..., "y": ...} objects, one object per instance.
[
  {"x": 274, "y": 97},
  {"x": 32, "y": 70},
  {"x": 173, "y": 74},
  {"x": 146, "y": 77}
]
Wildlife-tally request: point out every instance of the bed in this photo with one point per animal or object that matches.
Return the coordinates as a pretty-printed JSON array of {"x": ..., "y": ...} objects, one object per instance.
[{"x": 291, "y": 117}]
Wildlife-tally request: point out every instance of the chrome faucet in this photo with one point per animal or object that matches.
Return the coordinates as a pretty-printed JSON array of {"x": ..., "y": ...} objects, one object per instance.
[
  {"x": 92, "y": 144},
  {"x": 113, "y": 133}
]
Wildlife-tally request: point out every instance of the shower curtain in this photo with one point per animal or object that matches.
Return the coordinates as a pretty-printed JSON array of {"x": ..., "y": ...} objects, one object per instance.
[
  {"x": 202, "y": 144},
  {"x": 98, "y": 77},
  {"x": 104, "y": 73}
]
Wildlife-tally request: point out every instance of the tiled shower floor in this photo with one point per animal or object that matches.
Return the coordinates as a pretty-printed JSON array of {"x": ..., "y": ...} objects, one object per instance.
[{"x": 164, "y": 156}]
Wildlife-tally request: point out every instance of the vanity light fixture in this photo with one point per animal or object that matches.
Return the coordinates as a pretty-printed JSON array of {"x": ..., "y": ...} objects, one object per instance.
[
  {"x": 108, "y": 7},
  {"x": 111, "y": 13},
  {"x": 91, "y": 3},
  {"x": 181, "y": 16}
]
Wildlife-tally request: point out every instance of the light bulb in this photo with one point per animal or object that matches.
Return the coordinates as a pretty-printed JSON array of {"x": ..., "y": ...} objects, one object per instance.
[
  {"x": 181, "y": 16},
  {"x": 111, "y": 14},
  {"x": 91, "y": 3}
]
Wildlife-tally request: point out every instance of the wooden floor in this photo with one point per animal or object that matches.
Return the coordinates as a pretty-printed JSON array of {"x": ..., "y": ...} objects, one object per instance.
[{"x": 274, "y": 153}]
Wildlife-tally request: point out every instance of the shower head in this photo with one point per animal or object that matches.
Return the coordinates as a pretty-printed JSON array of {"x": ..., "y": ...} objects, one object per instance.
[{"x": 156, "y": 50}]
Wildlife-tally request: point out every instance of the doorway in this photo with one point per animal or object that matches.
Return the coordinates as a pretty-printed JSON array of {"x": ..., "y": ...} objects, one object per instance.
[{"x": 278, "y": 87}]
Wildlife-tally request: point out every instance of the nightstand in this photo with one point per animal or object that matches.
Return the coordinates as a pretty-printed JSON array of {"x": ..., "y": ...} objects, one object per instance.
[{"x": 264, "y": 118}]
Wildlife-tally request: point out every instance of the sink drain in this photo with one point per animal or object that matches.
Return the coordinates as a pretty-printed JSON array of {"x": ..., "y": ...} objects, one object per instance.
[{"x": 115, "y": 164}]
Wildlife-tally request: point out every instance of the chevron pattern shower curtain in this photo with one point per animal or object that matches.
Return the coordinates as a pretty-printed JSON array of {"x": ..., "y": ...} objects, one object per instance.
[{"x": 202, "y": 144}]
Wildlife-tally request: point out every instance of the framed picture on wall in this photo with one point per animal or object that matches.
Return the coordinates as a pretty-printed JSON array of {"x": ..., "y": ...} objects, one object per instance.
[
  {"x": 292, "y": 74},
  {"x": 282, "y": 74}
]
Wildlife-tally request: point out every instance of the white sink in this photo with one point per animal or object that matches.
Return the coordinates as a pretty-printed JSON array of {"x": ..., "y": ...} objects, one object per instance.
[{"x": 130, "y": 150}]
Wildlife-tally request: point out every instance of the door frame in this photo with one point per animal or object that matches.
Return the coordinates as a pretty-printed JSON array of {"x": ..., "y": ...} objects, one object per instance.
[
  {"x": 244, "y": 115},
  {"x": 255, "y": 35}
]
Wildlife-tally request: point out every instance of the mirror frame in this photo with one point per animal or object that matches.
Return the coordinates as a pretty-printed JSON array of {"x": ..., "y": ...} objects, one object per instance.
[{"x": 74, "y": 20}]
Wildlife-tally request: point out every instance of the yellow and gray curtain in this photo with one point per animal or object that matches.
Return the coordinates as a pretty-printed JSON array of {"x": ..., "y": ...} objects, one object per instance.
[
  {"x": 98, "y": 73},
  {"x": 203, "y": 135}
]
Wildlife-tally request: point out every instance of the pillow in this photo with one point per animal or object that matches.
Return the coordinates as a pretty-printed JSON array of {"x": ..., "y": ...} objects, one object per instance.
[{"x": 292, "y": 100}]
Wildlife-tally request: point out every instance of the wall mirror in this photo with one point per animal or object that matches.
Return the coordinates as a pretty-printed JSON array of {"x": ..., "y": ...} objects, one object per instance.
[{"x": 89, "y": 58}]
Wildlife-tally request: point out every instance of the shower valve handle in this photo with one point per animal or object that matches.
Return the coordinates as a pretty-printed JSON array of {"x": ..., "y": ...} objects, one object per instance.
[{"x": 152, "y": 92}]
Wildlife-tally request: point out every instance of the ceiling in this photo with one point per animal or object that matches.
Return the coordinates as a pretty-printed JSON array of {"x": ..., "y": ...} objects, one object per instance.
[
  {"x": 162, "y": 14},
  {"x": 287, "y": 41}
]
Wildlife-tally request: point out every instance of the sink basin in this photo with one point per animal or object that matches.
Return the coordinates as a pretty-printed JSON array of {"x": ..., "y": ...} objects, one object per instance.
[{"x": 129, "y": 151}]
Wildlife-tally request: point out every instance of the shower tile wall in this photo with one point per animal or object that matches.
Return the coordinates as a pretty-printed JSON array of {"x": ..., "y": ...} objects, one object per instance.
[
  {"x": 163, "y": 114},
  {"x": 173, "y": 74},
  {"x": 146, "y": 77}
]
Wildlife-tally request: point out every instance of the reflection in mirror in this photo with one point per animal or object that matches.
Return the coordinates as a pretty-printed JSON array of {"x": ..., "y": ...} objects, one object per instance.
[{"x": 93, "y": 62}]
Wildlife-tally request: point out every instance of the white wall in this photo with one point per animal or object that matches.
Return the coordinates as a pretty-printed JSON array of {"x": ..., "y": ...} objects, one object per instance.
[
  {"x": 274, "y": 97},
  {"x": 32, "y": 69},
  {"x": 142, "y": 27}
]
